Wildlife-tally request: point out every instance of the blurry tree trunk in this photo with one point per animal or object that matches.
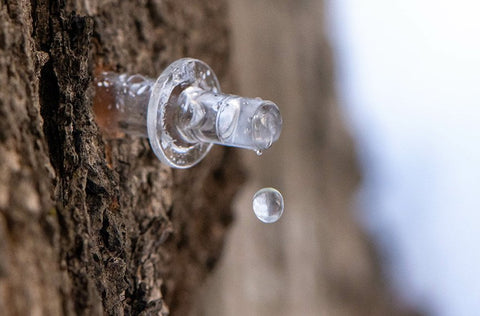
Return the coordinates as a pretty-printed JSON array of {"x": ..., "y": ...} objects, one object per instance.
[
  {"x": 316, "y": 260},
  {"x": 90, "y": 226}
]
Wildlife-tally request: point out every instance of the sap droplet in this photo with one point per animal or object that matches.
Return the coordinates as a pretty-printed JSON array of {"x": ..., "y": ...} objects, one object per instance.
[
  {"x": 268, "y": 205},
  {"x": 258, "y": 152}
]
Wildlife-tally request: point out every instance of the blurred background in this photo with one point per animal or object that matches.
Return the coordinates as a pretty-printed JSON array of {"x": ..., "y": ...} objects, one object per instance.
[{"x": 378, "y": 160}]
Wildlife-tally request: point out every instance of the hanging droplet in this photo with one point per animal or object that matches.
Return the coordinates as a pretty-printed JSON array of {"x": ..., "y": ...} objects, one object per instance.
[
  {"x": 258, "y": 152},
  {"x": 268, "y": 205}
]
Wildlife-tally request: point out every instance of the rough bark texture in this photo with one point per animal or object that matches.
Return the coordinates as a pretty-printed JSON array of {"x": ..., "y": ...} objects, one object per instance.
[{"x": 89, "y": 226}]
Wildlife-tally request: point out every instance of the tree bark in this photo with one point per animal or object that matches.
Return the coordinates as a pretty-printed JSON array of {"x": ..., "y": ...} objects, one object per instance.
[{"x": 90, "y": 226}]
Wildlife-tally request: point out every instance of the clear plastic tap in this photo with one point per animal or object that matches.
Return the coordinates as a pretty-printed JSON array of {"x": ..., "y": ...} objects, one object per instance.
[{"x": 183, "y": 113}]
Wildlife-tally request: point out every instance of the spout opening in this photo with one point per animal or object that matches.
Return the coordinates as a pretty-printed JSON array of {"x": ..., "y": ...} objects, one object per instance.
[{"x": 266, "y": 125}]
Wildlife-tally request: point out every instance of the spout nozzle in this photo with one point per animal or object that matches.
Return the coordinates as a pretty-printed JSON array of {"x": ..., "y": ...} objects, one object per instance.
[
  {"x": 228, "y": 120},
  {"x": 266, "y": 125}
]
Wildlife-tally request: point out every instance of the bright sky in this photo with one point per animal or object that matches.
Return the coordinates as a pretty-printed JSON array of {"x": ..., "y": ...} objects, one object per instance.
[{"x": 409, "y": 78}]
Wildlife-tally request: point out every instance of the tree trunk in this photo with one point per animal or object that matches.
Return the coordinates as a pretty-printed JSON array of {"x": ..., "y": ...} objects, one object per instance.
[
  {"x": 91, "y": 226},
  {"x": 316, "y": 260}
]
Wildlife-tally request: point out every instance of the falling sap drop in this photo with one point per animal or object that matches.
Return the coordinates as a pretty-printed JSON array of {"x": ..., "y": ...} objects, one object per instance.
[
  {"x": 268, "y": 205},
  {"x": 258, "y": 152}
]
